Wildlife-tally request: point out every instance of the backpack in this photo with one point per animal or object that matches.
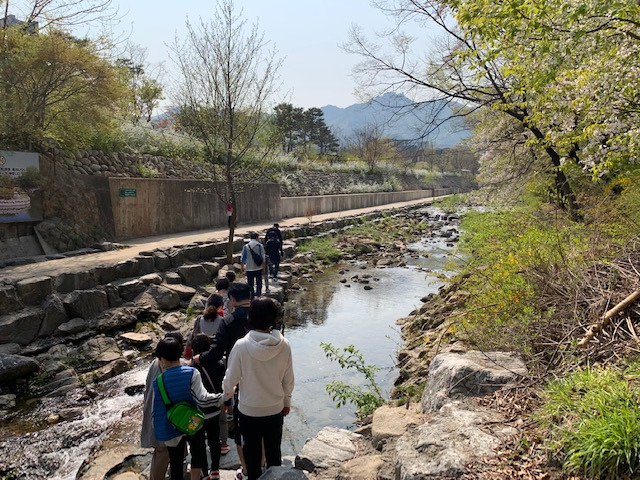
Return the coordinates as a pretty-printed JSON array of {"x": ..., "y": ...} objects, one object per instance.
[
  {"x": 257, "y": 258},
  {"x": 271, "y": 236},
  {"x": 183, "y": 416}
]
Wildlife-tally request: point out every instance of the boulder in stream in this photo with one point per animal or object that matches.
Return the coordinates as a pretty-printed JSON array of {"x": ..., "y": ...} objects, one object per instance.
[{"x": 329, "y": 448}]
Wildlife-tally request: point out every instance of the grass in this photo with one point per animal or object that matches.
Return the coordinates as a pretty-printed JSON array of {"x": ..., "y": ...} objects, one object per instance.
[
  {"x": 323, "y": 248},
  {"x": 593, "y": 419}
]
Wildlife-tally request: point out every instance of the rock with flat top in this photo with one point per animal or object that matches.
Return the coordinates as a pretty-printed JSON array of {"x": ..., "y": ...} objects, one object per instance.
[
  {"x": 454, "y": 375},
  {"x": 16, "y": 366},
  {"x": 135, "y": 338},
  {"x": 329, "y": 448}
]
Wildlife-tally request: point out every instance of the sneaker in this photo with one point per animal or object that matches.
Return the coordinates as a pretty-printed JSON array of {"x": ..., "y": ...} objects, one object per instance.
[
  {"x": 240, "y": 475},
  {"x": 224, "y": 449},
  {"x": 215, "y": 475}
]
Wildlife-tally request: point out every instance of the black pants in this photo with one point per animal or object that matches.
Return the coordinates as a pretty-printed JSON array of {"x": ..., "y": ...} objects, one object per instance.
[
  {"x": 254, "y": 277},
  {"x": 211, "y": 429},
  {"x": 255, "y": 431},
  {"x": 198, "y": 455}
]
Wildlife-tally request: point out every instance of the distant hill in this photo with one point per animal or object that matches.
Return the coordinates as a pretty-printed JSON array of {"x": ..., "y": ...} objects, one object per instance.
[{"x": 397, "y": 119}]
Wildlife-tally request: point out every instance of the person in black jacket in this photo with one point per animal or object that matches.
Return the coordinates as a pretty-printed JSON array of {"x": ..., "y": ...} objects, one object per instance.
[{"x": 234, "y": 327}]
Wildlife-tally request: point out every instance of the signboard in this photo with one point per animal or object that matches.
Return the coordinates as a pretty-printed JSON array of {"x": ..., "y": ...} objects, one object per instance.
[
  {"x": 20, "y": 195},
  {"x": 128, "y": 192}
]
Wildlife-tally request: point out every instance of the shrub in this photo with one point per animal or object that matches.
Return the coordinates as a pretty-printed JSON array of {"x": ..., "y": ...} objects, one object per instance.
[
  {"x": 367, "y": 399},
  {"x": 593, "y": 420}
]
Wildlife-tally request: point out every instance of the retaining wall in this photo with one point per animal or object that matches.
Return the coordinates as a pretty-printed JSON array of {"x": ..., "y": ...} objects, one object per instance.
[
  {"x": 300, "y": 206},
  {"x": 146, "y": 207}
]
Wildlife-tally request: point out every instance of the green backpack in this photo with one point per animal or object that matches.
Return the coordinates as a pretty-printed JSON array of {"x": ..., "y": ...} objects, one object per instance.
[{"x": 183, "y": 416}]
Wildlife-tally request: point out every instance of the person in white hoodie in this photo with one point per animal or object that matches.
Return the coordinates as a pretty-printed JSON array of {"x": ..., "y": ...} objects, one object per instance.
[{"x": 260, "y": 364}]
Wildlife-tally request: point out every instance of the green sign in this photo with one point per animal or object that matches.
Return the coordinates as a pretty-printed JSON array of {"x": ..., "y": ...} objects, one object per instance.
[{"x": 128, "y": 192}]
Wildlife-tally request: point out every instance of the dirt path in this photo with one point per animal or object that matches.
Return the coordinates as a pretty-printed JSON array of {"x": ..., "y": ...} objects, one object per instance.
[{"x": 137, "y": 245}]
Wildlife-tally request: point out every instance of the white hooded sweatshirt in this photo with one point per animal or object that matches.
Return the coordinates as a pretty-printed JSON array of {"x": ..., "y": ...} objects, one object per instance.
[{"x": 261, "y": 363}]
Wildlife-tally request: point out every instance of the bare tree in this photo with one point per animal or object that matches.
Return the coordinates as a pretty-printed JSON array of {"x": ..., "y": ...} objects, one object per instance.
[
  {"x": 60, "y": 12},
  {"x": 228, "y": 75}
]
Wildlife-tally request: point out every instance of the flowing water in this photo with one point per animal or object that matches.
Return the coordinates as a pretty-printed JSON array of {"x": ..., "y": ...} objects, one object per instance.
[{"x": 327, "y": 311}]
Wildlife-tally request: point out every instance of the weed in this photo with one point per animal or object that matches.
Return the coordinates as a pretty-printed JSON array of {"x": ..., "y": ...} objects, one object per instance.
[{"x": 367, "y": 399}]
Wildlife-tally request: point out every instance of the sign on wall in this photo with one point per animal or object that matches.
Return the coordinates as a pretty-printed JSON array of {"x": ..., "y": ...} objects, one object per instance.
[{"x": 20, "y": 192}]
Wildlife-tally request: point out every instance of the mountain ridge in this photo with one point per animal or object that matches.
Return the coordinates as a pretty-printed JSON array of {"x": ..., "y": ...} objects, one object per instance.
[{"x": 398, "y": 117}]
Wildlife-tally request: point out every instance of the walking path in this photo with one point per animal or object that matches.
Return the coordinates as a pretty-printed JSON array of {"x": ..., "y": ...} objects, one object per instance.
[{"x": 147, "y": 244}]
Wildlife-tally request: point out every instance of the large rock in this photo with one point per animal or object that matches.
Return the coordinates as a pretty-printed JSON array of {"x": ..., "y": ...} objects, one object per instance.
[
  {"x": 183, "y": 291},
  {"x": 86, "y": 303},
  {"x": 138, "y": 339},
  {"x": 21, "y": 327},
  {"x": 194, "y": 275},
  {"x": 131, "y": 289},
  {"x": 54, "y": 315},
  {"x": 68, "y": 282},
  {"x": 97, "y": 351},
  {"x": 329, "y": 448},
  {"x": 165, "y": 298},
  {"x": 151, "y": 278},
  {"x": 191, "y": 253},
  {"x": 117, "y": 319},
  {"x": 33, "y": 291},
  {"x": 75, "y": 325},
  {"x": 127, "y": 268},
  {"x": 176, "y": 257},
  {"x": 106, "y": 274},
  {"x": 391, "y": 422},
  {"x": 446, "y": 444},
  {"x": 362, "y": 468},
  {"x": 173, "y": 321},
  {"x": 162, "y": 261},
  {"x": 455, "y": 375},
  {"x": 9, "y": 301},
  {"x": 16, "y": 366},
  {"x": 146, "y": 264}
]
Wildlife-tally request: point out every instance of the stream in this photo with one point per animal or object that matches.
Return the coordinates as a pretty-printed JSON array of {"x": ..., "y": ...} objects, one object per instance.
[{"x": 325, "y": 311}]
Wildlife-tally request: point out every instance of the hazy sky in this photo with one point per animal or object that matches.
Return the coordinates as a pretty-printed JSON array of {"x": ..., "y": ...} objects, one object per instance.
[{"x": 307, "y": 34}]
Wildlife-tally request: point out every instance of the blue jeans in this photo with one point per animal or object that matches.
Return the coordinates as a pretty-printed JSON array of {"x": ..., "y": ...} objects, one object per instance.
[{"x": 255, "y": 277}]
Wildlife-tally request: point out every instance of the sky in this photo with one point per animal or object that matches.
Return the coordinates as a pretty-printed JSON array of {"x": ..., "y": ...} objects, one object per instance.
[{"x": 306, "y": 33}]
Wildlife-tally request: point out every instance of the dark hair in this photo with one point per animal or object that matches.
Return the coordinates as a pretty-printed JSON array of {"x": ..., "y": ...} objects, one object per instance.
[
  {"x": 223, "y": 283},
  {"x": 253, "y": 235},
  {"x": 215, "y": 300},
  {"x": 263, "y": 313},
  {"x": 276, "y": 225},
  {"x": 201, "y": 343},
  {"x": 239, "y": 291},
  {"x": 231, "y": 276},
  {"x": 169, "y": 349},
  {"x": 177, "y": 336}
]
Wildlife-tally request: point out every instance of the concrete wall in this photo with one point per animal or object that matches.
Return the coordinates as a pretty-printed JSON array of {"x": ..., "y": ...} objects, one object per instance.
[
  {"x": 298, "y": 206},
  {"x": 168, "y": 206}
]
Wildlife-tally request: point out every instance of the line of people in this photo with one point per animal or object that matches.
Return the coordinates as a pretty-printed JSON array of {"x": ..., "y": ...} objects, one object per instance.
[
  {"x": 240, "y": 363},
  {"x": 257, "y": 258}
]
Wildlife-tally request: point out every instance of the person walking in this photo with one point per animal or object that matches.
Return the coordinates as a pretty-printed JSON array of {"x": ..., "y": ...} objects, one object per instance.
[
  {"x": 261, "y": 366},
  {"x": 234, "y": 327},
  {"x": 160, "y": 457},
  {"x": 273, "y": 247},
  {"x": 182, "y": 384},
  {"x": 252, "y": 260}
]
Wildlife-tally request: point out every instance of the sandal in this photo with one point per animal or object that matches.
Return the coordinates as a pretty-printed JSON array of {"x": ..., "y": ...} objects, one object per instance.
[{"x": 224, "y": 449}]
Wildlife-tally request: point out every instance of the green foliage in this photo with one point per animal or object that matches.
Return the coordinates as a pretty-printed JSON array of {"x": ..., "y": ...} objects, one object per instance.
[
  {"x": 323, "y": 249},
  {"x": 593, "y": 418},
  {"x": 449, "y": 204},
  {"x": 54, "y": 87},
  {"x": 366, "y": 399},
  {"x": 510, "y": 249}
]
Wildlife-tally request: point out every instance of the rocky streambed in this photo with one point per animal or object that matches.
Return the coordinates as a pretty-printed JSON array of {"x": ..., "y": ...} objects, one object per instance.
[{"x": 98, "y": 353}]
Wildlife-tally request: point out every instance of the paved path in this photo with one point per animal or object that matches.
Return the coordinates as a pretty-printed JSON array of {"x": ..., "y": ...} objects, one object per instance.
[{"x": 137, "y": 245}]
